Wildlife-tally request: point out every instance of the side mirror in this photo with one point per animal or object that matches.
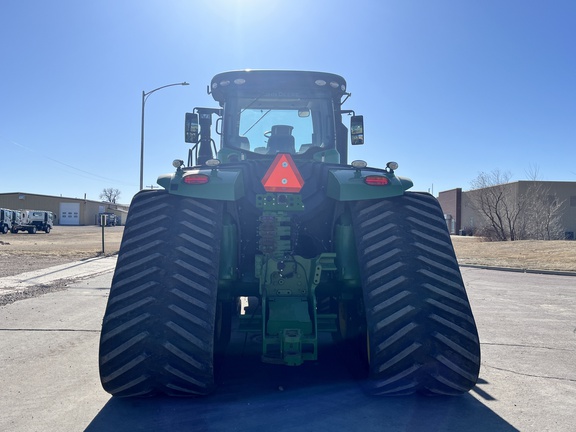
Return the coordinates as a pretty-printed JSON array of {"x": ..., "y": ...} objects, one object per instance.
[
  {"x": 191, "y": 126},
  {"x": 357, "y": 129}
]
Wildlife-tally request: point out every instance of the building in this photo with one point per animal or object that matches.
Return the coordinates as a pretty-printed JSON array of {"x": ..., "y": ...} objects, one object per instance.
[
  {"x": 461, "y": 218},
  {"x": 451, "y": 203},
  {"x": 67, "y": 211}
]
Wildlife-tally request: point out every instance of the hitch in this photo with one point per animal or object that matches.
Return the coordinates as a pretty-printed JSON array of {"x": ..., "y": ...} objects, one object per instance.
[{"x": 290, "y": 322}]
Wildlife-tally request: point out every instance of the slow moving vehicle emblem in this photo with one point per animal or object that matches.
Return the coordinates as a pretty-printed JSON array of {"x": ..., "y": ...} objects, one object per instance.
[{"x": 283, "y": 175}]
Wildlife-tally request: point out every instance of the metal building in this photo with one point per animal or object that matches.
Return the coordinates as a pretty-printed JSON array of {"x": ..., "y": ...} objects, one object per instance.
[
  {"x": 67, "y": 211},
  {"x": 462, "y": 219}
]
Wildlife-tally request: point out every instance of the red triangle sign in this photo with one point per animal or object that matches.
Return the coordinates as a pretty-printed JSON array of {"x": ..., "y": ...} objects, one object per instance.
[{"x": 283, "y": 175}]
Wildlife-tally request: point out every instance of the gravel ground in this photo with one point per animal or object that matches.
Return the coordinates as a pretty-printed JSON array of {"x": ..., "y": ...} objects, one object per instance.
[
  {"x": 32, "y": 292},
  {"x": 23, "y": 252}
]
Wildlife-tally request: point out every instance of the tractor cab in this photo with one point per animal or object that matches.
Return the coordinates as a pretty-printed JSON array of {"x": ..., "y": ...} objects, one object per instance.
[{"x": 260, "y": 118}]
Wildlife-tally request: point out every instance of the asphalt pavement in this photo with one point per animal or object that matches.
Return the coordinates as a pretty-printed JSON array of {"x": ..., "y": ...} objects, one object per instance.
[{"x": 527, "y": 326}]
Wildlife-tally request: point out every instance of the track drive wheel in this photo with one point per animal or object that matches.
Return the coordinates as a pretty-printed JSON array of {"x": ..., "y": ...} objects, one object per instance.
[
  {"x": 159, "y": 326},
  {"x": 421, "y": 332}
]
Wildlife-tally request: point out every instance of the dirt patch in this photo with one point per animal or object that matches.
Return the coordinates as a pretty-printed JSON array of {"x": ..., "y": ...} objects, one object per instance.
[
  {"x": 525, "y": 254},
  {"x": 24, "y": 252}
]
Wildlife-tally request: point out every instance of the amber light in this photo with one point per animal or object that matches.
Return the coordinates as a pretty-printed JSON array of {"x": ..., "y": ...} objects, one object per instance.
[
  {"x": 376, "y": 180},
  {"x": 195, "y": 179}
]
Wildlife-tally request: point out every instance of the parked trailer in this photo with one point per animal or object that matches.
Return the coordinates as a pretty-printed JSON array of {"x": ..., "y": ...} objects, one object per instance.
[
  {"x": 32, "y": 221},
  {"x": 5, "y": 220}
]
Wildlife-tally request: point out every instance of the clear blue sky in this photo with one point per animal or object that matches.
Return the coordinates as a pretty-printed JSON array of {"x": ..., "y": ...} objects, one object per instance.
[{"x": 448, "y": 88}]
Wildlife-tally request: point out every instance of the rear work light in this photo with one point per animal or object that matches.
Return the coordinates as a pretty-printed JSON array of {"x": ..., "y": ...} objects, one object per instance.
[
  {"x": 195, "y": 179},
  {"x": 374, "y": 180}
]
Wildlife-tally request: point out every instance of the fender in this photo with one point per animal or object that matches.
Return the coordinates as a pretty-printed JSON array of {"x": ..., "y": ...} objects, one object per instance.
[
  {"x": 350, "y": 185},
  {"x": 224, "y": 185}
]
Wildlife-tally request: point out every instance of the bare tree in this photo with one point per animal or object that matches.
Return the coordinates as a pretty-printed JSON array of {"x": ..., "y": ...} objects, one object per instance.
[
  {"x": 492, "y": 198},
  {"x": 542, "y": 216},
  {"x": 512, "y": 213},
  {"x": 110, "y": 195},
  {"x": 533, "y": 173}
]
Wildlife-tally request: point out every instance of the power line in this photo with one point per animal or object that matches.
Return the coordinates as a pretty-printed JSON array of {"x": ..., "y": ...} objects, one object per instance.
[{"x": 67, "y": 165}]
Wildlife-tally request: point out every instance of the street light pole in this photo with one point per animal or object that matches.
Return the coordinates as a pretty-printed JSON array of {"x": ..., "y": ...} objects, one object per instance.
[{"x": 144, "y": 97}]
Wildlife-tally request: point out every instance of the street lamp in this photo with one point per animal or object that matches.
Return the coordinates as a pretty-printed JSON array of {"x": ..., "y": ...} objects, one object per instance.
[{"x": 144, "y": 97}]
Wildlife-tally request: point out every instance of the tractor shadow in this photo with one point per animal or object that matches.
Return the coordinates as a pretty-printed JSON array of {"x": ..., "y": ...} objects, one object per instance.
[{"x": 322, "y": 395}]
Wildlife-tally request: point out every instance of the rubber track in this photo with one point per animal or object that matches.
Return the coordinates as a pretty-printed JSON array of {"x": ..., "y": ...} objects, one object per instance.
[
  {"x": 422, "y": 333},
  {"x": 158, "y": 328}
]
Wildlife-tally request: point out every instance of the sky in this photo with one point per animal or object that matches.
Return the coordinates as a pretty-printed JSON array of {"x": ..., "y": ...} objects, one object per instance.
[{"x": 447, "y": 88}]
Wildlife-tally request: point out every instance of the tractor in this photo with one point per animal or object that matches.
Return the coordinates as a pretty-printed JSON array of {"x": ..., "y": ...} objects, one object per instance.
[{"x": 273, "y": 231}]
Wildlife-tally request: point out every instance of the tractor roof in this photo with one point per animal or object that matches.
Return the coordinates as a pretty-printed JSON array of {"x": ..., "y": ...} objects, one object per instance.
[{"x": 277, "y": 83}]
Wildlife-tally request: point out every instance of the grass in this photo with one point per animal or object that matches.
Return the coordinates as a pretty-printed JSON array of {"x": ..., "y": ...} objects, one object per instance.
[{"x": 556, "y": 255}]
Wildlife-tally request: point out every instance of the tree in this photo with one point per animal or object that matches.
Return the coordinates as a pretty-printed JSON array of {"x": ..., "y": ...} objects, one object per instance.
[
  {"x": 110, "y": 195},
  {"x": 492, "y": 199},
  {"x": 541, "y": 219},
  {"x": 514, "y": 213}
]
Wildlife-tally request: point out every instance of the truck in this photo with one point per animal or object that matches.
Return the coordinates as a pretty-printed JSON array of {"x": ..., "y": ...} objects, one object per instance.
[
  {"x": 277, "y": 217},
  {"x": 32, "y": 221},
  {"x": 110, "y": 219},
  {"x": 5, "y": 220}
]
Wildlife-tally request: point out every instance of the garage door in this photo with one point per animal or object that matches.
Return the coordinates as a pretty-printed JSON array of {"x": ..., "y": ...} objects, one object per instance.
[{"x": 69, "y": 214}]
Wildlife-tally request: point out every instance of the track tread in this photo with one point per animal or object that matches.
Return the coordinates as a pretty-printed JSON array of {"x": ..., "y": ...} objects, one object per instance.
[
  {"x": 158, "y": 328},
  {"x": 422, "y": 333}
]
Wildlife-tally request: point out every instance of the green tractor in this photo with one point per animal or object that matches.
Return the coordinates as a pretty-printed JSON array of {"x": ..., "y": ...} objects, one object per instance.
[{"x": 277, "y": 220}]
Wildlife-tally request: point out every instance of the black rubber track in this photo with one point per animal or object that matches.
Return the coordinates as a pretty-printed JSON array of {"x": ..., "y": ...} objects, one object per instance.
[
  {"x": 158, "y": 328},
  {"x": 422, "y": 334}
]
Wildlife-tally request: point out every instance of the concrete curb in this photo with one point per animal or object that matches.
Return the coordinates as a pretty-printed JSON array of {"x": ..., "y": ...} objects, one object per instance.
[
  {"x": 72, "y": 270},
  {"x": 516, "y": 270}
]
